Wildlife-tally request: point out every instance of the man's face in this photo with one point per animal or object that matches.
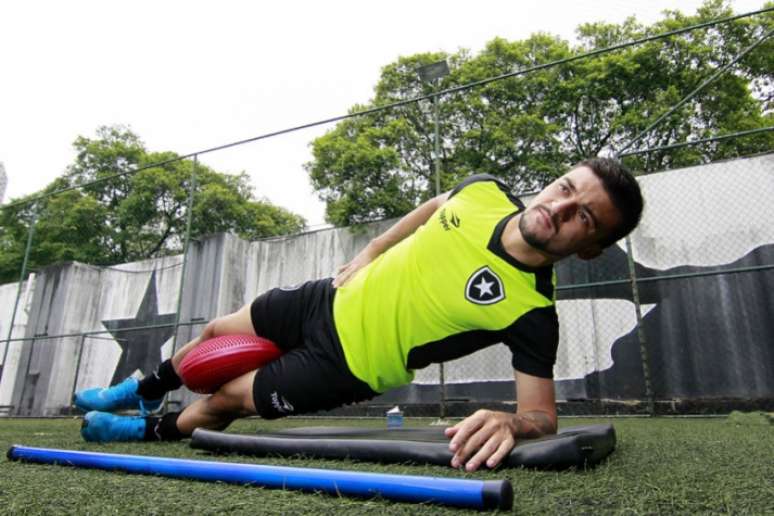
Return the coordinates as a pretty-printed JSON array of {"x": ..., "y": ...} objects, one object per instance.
[{"x": 571, "y": 215}]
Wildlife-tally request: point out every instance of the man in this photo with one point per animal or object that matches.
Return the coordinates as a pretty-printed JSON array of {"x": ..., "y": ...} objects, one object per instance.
[{"x": 465, "y": 270}]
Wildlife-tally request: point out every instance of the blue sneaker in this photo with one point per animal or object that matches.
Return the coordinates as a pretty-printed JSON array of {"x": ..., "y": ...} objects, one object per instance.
[
  {"x": 102, "y": 427},
  {"x": 109, "y": 399}
]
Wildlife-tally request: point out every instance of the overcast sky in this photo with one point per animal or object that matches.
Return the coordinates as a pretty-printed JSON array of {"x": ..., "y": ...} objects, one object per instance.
[{"x": 190, "y": 75}]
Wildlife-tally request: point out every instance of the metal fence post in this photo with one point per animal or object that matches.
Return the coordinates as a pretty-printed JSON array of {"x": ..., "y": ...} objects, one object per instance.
[
  {"x": 186, "y": 244},
  {"x": 640, "y": 328},
  {"x": 23, "y": 272},
  {"x": 437, "y": 164}
]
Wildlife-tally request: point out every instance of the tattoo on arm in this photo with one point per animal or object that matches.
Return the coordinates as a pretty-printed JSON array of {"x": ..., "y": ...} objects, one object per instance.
[{"x": 535, "y": 424}]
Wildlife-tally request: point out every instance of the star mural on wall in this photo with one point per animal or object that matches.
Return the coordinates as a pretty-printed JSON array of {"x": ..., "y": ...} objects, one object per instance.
[{"x": 141, "y": 349}]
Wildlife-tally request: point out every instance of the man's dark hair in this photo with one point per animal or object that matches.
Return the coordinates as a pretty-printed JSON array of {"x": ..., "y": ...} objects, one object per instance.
[{"x": 624, "y": 192}]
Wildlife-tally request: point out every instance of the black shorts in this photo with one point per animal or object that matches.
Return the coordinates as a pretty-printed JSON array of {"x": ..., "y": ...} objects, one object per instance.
[{"x": 312, "y": 374}]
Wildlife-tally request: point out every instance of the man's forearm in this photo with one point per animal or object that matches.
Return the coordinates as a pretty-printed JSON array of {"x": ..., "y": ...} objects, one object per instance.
[
  {"x": 403, "y": 228},
  {"x": 534, "y": 424}
]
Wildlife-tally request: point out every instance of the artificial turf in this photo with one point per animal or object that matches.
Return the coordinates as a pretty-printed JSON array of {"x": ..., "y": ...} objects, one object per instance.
[{"x": 660, "y": 466}]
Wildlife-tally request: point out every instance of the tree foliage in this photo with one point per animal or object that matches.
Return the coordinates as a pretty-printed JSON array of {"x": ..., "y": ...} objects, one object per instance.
[
  {"x": 111, "y": 214},
  {"x": 529, "y": 128}
]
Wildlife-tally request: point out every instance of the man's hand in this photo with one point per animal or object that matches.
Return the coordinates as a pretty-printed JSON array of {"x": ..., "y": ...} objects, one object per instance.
[
  {"x": 486, "y": 436},
  {"x": 348, "y": 270}
]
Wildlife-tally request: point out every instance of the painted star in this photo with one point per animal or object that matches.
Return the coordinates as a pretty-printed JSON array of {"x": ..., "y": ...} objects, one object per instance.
[
  {"x": 485, "y": 287},
  {"x": 141, "y": 349}
]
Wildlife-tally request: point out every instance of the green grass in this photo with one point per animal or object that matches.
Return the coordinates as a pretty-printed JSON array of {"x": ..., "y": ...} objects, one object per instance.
[{"x": 660, "y": 466}]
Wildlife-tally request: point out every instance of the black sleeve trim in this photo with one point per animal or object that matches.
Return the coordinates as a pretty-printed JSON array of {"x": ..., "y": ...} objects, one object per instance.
[
  {"x": 534, "y": 339},
  {"x": 482, "y": 177},
  {"x": 544, "y": 281},
  {"x": 450, "y": 348}
]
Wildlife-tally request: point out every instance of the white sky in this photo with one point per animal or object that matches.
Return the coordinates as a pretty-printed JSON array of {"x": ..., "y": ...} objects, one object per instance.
[{"x": 190, "y": 75}]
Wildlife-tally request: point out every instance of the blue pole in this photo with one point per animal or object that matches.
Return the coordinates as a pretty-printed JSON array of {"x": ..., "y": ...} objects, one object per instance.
[{"x": 479, "y": 494}]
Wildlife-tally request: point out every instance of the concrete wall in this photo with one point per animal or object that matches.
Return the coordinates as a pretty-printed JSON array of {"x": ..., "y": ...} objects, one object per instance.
[
  {"x": 10, "y": 352},
  {"x": 706, "y": 335}
]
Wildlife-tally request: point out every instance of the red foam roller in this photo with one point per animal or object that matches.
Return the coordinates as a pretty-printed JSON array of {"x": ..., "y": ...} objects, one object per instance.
[{"x": 219, "y": 360}]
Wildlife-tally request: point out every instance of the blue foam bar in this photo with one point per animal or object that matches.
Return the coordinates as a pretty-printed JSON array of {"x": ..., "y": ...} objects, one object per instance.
[{"x": 405, "y": 488}]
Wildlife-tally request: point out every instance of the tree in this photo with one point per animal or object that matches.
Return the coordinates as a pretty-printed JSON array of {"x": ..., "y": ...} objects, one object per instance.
[
  {"x": 111, "y": 214},
  {"x": 530, "y": 128}
]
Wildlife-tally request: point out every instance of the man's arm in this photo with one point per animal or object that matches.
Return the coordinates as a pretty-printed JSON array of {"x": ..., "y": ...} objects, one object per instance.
[
  {"x": 403, "y": 228},
  {"x": 488, "y": 436}
]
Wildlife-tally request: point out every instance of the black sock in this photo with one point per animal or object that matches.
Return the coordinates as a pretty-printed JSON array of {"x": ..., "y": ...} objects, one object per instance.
[
  {"x": 163, "y": 428},
  {"x": 163, "y": 380}
]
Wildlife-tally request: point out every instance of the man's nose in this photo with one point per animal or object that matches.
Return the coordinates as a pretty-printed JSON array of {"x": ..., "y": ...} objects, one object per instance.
[{"x": 564, "y": 208}]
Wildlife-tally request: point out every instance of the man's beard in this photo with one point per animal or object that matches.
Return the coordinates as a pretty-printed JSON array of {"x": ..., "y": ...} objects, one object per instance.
[{"x": 531, "y": 237}]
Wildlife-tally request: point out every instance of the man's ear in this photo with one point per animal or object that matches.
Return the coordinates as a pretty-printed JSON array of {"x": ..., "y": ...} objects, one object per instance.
[{"x": 590, "y": 252}]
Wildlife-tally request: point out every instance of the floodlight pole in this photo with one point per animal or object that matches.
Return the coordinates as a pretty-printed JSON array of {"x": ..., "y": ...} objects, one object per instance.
[
  {"x": 437, "y": 163},
  {"x": 430, "y": 74},
  {"x": 437, "y": 150}
]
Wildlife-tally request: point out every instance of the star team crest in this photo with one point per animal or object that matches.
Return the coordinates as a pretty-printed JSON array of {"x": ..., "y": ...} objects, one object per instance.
[{"x": 484, "y": 287}]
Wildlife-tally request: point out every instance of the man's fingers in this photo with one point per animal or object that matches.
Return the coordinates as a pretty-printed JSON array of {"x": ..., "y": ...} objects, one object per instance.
[
  {"x": 452, "y": 430},
  {"x": 486, "y": 451},
  {"x": 502, "y": 451},
  {"x": 485, "y": 437},
  {"x": 470, "y": 445},
  {"x": 343, "y": 276},
  {"x": 492, "y": 452},
  {"x": 464, "y": 430},
  {"x": 340, "y": 280}
]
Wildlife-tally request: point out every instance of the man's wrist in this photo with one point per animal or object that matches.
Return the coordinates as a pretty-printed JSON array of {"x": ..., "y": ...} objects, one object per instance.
[
  {"x": 516, "y": 426},
  {"x": 533, "y": 424}
]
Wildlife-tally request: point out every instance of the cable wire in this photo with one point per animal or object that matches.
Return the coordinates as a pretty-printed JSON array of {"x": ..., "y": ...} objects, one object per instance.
[
  {"x": 698, "y": 142},
  {"x": 405, "y": 102},
  {"x": 720, "y": 71}
]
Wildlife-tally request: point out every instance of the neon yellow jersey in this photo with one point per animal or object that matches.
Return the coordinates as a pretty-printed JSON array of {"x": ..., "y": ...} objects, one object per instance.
[{"x": 446, "y": 291}]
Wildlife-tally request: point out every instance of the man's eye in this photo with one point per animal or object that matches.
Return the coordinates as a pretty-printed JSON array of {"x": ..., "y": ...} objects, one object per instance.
[{"x": 584, "y": 217}]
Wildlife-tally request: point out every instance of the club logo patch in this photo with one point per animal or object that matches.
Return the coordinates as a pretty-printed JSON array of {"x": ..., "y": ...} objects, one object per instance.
[
  {"x": 484, "y": 287},
  {"x": 447, "y": 221}
]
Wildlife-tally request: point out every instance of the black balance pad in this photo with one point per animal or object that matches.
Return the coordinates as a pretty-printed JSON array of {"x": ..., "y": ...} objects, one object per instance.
[{"x": 578, "y": 446}]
